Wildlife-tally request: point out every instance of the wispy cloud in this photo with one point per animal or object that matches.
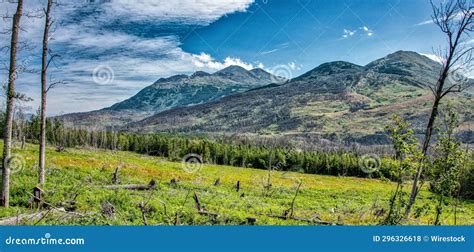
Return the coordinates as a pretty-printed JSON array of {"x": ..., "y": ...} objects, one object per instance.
[
  {"x": 184, "y": 11},
  {"x": 270, "y": 51},
  {"x": 426, "y": 22},
  {"x": 347, "y": 33},
  {"x": 206, "y": 61},
  {"x": 367, "y": 31},
  {"x": 276, "y": 49},
  {"x": 455, "y": 17},
  {"x": 110, "y": 33},
  {"x": 433, "y": 57}
]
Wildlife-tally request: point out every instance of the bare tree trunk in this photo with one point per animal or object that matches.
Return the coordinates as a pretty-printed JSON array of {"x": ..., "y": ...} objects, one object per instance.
[
  {"x": 455, "y": 19},
  {"x": 429, "y": 130},
  {"x": 5, "y": 196},
  {"x": 438, "y": 95},
  {"x": 426, "y": 143},
  {"x": 44, "y": 69}
]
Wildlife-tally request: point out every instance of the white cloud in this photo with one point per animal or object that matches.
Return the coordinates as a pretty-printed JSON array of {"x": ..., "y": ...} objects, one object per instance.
[
  {"x": 455, "y": 17},
  {"x": 90, "y": 40},
  {"x": 364, "y": 29},
  {"x": 276, "y": 49},
  {"x": 191, "y": 11},
  {"x": 206, "y": 61},
  {"x": 425, "y": 22},
  {"x": 269, "y": 51},
  {"x": 348, "y": 33},
  {"x": 433, "y": 57},
  {"x": 292, "y": 65},
  {"x": 467, "y": 71},
  {"x": 367, "y": 31},
  {"x": 87, "y": 41},
  {"x": 469, "y": 42}
]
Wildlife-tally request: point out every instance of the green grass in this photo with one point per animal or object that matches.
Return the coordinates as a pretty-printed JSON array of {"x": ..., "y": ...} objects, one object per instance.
[{"x": 81, "y": 172}]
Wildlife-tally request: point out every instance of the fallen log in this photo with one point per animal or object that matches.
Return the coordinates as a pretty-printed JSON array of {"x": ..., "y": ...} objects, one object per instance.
[
  {"x": 202, "y": 211},
  {"x": 60, "y": 149},
  {"x": 115, "y": 177},
  {"x": 38, "y": 216},
  {"x": 206, "y": 213},
  {"x": 313, "y": 221},
  {"x": 137, "y": 187},
  {"x": 58, "y": 213},
  {"x": 197, "y": 203},
  {"x": 249, "y": 221},
  {"x": 173, "y": 182},
  {"x": 320, "y": 222}
]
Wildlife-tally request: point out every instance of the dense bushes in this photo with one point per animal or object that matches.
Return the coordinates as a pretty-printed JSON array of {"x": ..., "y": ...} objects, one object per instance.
[
  {"x": 174, "y": 147},
  {"x": 315, "y": 162},
  {"x": 467, "y": 181},
  {"x": 222, "y": 152}
]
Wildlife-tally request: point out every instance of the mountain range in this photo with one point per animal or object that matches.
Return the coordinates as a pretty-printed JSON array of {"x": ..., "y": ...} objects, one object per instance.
[
  {"x": 335, "y": 101},
  {"x": 175, "y": 91}
]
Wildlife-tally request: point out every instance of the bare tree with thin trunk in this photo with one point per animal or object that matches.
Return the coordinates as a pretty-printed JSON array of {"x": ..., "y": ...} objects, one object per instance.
[
  {"x": 455, "y": 19},
  {"x": 44, "y": 90},
  {"x": 5, "y": 194}
]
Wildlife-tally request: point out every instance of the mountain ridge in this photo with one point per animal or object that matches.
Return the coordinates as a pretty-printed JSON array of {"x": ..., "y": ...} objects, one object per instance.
[
  {"x": 174, "y": 91},
  {"x": 338, "y": 99}
]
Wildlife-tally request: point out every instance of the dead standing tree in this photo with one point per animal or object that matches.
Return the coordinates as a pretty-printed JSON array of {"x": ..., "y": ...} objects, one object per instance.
[
  {"x": 45, "y": 62},
  {"x": 455, "y": 19},
  {"x": 5, "y": 193}
]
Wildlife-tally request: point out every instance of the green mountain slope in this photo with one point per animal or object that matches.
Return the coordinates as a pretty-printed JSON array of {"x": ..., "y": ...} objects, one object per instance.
[
  {"x": 337, "y": 100},
  {"x": 173, "y": 92},
  {"x": 77, "y": 180}
]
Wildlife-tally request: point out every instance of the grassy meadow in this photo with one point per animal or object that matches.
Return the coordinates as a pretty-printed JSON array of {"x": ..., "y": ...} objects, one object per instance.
[{"x": 76, "y": 178}]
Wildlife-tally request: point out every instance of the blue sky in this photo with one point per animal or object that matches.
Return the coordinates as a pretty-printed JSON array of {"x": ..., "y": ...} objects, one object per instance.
[
  {"x": 111, "y": 49},
  {"x": 312, "y": 32}
]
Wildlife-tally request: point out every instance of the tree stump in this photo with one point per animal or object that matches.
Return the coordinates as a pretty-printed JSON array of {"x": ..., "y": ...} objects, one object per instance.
[
  {"x": 237, "y": 186},
  {"x": 37, "y": 194}
]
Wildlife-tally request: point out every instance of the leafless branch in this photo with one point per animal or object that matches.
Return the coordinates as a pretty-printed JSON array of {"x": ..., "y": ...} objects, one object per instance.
[
  {"x": 55, "y": 84},
  {"x": 455, "y": 19},
  {"x": 51, "y": 58}
]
